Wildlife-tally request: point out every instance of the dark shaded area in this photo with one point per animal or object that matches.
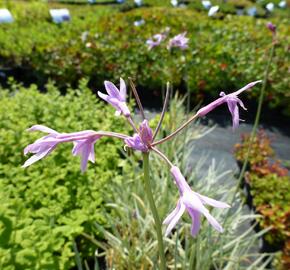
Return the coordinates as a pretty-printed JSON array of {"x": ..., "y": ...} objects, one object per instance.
[
  {"x": 271, "y": 119},
  {"x": 153, "y": 100}
]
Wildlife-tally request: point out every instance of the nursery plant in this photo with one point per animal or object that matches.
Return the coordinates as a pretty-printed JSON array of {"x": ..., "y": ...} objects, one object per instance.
[
  {"x": 264, "y": 175},
  {"x": 143, "y": 140},
  {"x": 105, "y": 43},
  {"x": 131, "y": 242}
]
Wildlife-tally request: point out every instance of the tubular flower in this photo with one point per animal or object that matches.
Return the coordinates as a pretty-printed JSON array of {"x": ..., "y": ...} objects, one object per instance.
[
  {"x": 142, "y": 140},
  {"x": 116, "y": 97},
  {"x": 155, "y": 41},
  {"x": 179, "y": 41},
  {"x": 85, "y": 149},
  {"x": 193, "y": 203},
  {"x": 83, "y": 144},
  {"x": 232, "y": 101}
]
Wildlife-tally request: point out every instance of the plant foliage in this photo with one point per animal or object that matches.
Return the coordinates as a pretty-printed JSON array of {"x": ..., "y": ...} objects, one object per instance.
[
  {"x": 270, "y": 187},
  {"x": 101, "y": 42},
  {"x": 49, "y": 206}
]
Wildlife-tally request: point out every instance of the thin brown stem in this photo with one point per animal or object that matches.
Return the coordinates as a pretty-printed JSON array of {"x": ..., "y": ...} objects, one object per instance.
[
  {"x": 162, "y": 155},
  {"x": 137, "y": 98},
  {"x": 163, "y": 110},
  {"x": 130, "y": 120},
  {"x": 176, "y": 131}
]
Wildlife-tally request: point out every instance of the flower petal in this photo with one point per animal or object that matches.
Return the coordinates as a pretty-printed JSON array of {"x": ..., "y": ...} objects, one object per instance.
[
  {"x": 212, "y": 202},
  {"x": 195, "y": 218},
  {"x": 136, "y": 143},
  {"x": 85, "y": 156},
  {"x": 175, "y": 219},
  {"x": 212, "y": 221},
  {"x": 112, "y": 90},
  {"x": 169, "y": 218},
  {"x": 38, "y": 156},
  {"x": 234, "y": 110},
  {"x": 92, "y": 154},
  {"x": 103, "y": 96},
  {"x": 123, "y": 90},
  {"x": 146, "y": 132},
  {"x": 179, "y": 180},
  {"x": 248, "y": 86},
  {"x": 42, "y": 128},
  {"x": 124, "y": 108},
  {"x": 241, "y": 104}
]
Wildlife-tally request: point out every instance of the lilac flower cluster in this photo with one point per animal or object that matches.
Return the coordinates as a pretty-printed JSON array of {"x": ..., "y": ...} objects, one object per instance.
[
  {"x": 179, "y": 41},
  {"x": 142, "y": 140}
]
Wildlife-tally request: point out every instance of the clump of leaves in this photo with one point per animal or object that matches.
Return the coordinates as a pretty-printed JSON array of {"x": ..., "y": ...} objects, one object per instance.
[
  {"x": 271, "y": 197},
  {"x": 270, "y": 188},
  {"x": 48, "y": 211},
  {"x": 260, "y": 149},
  {"x": 105, "y": 44}
]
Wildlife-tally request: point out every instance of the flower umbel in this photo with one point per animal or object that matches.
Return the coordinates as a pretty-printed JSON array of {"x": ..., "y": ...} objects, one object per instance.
[
  {"x": 193, "y": 203},
  {"x": 142, "y": 140}
]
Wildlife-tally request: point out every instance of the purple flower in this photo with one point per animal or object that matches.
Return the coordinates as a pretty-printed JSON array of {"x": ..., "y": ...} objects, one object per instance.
[
  {"x": 83, "y": 144},
  {"x": 193, "y": 203},
  {"x": 136, "y": 143},
  {"x": 146, "y": 133},
  {"x": 232, "y": 101},
  {"x": 142, "y": 140},
  {"x": 116, "y": 98},
  {"x": 271, "y": 27},
  {"x": 155, "y": 41},
  {"x": 179, "y": 41}
]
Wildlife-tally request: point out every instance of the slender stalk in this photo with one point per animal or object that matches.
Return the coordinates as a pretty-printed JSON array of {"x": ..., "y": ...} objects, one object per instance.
[
  {"x": 157, "y": 221},
  {"x": 163, "y": 110},
  {"x": 94, "y": 241},
  {"x": 137, "y": 98},
  {"x": 77, "y": 256},
  {"x": 253, "y": 134},
  {"x": 176, "y": 131},
  {"x": 158, "y": 152},
  {"x": 262, "y": 93},
  {"x": 254, "y": 130},
  {"x": 188, "y": 94},
  {"x": 131, "y": 122},
  {"x": 176, "y": 248},
  {"x": 191, "y": 258},
  {"x": 256, "y": 123}
]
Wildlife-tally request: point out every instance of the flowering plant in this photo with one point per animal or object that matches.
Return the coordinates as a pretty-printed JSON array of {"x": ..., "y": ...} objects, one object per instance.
[
  {"x": 179, "y": 41},
  {"x": 142, "y": 140}
]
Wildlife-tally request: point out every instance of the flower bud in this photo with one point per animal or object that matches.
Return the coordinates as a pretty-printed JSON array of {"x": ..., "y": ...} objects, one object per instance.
[{"x": 271, "y": 27}]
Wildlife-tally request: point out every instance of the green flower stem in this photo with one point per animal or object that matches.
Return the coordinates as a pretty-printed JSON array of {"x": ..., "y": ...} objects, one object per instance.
[
  {"x": 157, "y": 221},
  {"x": 262, "y": 93},
  {"x": 253, "y": 133},
  {"x": 256, "y": 123}
]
